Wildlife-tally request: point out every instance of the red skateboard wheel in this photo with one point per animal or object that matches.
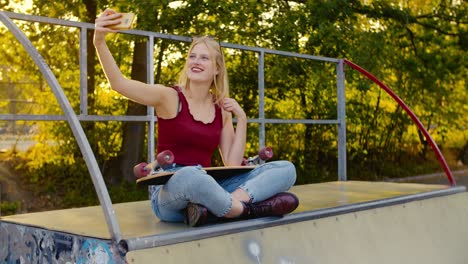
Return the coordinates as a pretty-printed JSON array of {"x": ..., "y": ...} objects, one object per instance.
[
  {"x": 140, "y": 170},
  {"x": 244, "y": 162},
  {"x": 165, "y": 158},
  {"x": 265, "y": 153}
]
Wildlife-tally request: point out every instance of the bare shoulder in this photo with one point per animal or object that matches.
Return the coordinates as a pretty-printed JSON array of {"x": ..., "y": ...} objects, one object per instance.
[
  {"x": 168, "y": 103},
  {"x": 161, "y": 87},
  {"x": 164, "y": 92}
]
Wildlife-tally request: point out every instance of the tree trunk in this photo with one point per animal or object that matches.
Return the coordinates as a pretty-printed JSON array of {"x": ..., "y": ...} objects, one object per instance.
[
  {"x": 133, "y": 145},
  {"x": 91, "y": 13},
  {"x": 463, "y": 156}
]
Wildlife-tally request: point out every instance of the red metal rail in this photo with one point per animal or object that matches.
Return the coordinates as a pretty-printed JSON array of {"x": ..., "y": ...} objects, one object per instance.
[{"x": 416, "y": 120}]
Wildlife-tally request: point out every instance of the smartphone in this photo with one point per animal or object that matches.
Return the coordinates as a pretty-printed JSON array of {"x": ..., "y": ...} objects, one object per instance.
[{"x": 127, "y": 22}]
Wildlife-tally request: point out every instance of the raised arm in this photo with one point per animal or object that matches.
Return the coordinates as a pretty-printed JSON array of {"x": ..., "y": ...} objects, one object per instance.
[
  {"x": 148, "y": 94},
  {"x": 233, "y": 141}
]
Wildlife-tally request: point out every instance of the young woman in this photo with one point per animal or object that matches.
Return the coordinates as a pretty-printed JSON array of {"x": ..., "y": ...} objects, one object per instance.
[{"x": 195, "y": 118}]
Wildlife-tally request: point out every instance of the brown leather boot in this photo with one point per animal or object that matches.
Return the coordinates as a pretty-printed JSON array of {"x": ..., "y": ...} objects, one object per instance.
[
  {"x": 278, "y": 205},
  {"x": 195, "y": 215}
]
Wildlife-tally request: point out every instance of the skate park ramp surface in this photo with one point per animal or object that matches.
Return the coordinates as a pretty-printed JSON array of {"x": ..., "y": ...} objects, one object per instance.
[{"x": 336, "y": 222}]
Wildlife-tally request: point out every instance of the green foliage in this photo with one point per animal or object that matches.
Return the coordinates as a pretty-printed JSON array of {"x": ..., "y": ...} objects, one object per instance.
[
  {"x": 9, "y": 208},
  {"x": 417, "y": 48}
]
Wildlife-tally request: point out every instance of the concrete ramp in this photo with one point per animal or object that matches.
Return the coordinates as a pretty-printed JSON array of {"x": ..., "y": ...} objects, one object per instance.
[
  {"x": 425, "y": 231},
  {"x": 337, "y": 222},
  {"x": 350, "y": 222}
]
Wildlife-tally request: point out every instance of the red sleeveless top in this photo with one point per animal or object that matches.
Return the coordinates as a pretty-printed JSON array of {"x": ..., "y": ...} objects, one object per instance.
[{"x": 191, "y": 141}]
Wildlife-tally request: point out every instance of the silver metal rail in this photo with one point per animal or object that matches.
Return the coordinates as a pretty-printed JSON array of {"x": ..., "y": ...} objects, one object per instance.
[
  {"x": 75, "y": 125},
  {"x": 74, "y": 120},
  {"x": 150, "y": 117}
]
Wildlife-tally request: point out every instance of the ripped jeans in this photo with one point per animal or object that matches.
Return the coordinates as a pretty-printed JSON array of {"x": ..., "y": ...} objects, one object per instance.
[{"x": 193, "y": 184}]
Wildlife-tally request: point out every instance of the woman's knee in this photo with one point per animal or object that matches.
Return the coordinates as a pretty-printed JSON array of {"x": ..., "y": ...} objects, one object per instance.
[
  {"x": 288, "y": 170},
  {"x": 192, "y": 177}
]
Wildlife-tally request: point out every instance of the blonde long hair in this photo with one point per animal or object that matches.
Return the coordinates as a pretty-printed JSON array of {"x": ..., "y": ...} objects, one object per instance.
[{"x": 220, "y": 85}]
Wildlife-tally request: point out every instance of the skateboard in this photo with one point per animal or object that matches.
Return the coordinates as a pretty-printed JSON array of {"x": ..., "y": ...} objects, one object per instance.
[{"x": 154, "y": 173}]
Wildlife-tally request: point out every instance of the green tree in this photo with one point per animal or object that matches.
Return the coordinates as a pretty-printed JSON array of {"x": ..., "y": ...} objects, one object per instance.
[{"x": 417, "y": 48}]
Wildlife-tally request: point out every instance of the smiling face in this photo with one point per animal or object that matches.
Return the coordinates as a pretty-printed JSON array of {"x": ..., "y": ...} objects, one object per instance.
[
  {"x": 205, "y": 65},
  {"x": 200, "y": 65}
]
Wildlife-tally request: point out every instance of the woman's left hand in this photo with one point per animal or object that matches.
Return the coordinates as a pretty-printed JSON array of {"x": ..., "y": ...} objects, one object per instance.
[{"x": 231, "y": 105}]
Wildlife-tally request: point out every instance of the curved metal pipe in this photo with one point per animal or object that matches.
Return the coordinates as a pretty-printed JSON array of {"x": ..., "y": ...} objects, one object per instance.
[
  {"x": 416, "y": 120},
  {"x": 75, "y": 126}
]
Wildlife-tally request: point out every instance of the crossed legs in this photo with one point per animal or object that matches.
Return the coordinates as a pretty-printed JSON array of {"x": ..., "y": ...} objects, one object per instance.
[{"x": 227, "y": 198}]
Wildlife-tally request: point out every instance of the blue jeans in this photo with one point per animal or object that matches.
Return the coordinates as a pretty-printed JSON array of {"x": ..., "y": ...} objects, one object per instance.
[{"x": 193, "y": 184}]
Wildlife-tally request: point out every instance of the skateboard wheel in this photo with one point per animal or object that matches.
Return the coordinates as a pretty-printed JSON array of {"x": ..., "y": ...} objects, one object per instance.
[
  {"x": 140, "y": 170},
  {"x": 265, "y": 153},
  {"x": 164, "y": 158},
  {"x": 244, "y": 162}
]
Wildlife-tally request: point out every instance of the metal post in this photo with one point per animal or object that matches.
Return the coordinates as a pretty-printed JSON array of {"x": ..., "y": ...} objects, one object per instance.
[
  {"x": 83, "y": 71},
  {"x": 261, "y": 97},
  {"x": 341, "y": 120},
  {"x": 150, "y": 109}
]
